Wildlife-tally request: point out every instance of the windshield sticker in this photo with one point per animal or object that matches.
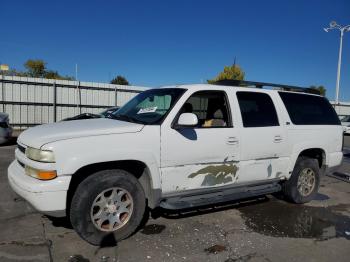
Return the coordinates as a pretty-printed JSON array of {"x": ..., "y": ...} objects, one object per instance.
[{"x": 147, "y": 110}]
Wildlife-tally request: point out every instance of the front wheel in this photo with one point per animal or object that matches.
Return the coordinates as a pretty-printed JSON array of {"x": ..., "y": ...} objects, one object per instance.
[
  {"x": 108, "y": 206},
  {"x": 303, "y": 184}
]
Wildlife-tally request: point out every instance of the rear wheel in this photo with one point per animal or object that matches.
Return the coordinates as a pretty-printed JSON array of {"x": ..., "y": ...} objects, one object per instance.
[
  {"x": 303, "y": 184},
  {"x": 107, "y": 207}
]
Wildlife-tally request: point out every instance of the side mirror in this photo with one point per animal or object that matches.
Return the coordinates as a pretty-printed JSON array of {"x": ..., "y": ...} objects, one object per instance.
[{"x": 187, "y": 120}]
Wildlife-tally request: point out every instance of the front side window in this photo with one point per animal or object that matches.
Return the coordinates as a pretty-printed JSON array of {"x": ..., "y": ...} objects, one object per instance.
[
  {"x": 257, "y": 109},
  {"x": 211, "y": 108},
  {"x": 149, "y": 107}
]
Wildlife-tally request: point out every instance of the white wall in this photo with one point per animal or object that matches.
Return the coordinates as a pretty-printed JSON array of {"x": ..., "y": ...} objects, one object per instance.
[{"x": 30, "y": 100}]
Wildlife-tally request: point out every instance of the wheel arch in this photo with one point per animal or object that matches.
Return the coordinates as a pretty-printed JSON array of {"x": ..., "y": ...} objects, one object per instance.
[
  {"x": 137, "y": 168},
  {"x": 317, "y": 153}
]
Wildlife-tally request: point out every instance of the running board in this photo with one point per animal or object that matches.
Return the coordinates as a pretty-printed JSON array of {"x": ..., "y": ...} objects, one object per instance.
[{"x": 220, "y": 196}]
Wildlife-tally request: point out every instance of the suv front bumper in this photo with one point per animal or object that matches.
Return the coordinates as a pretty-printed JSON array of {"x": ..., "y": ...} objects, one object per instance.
[{"x": 48, "y": 197}]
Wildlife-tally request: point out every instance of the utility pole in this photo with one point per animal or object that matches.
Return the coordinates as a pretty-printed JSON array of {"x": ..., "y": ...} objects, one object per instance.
[{"x": 342, "y": 29}]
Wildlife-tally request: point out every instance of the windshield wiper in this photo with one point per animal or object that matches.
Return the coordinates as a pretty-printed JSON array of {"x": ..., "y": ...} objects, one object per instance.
[{"x": 127, "y": 118}]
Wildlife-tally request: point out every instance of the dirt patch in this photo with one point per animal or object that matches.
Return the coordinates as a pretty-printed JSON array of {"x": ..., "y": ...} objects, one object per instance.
[
  {"x": 215, "y": 249},
  {"x": 152, "y": 229}
]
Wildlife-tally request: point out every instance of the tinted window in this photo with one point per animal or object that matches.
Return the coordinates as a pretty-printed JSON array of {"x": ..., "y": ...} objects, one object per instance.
[
  {"x": 309, "y": 110},
  {"x": 211, "y": 108},
  {"x": 257, "y": 109}
]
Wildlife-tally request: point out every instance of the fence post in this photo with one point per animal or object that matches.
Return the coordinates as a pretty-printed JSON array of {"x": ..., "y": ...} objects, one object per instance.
[
  {"x": 3, "y": 93},
  {"x": 79, "y": 96},
  {"x": 54, "y": 102},
  {"x": 116, "y": 96}
]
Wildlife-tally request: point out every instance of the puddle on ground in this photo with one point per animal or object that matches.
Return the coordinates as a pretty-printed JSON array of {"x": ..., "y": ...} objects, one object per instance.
[
  {"x": 215, "y": 249},
  {"x": 152, "y": 229},
  {"x": 280, "y": 219}
]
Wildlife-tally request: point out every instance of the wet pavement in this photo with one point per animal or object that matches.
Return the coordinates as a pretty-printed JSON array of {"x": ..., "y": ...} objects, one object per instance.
[
  {"x": 261, "y": 229},
  {"x": 279, "y": 219}
]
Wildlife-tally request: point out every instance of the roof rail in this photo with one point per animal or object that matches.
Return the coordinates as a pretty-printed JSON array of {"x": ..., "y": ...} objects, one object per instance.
[{"x": 231, "y": 82}]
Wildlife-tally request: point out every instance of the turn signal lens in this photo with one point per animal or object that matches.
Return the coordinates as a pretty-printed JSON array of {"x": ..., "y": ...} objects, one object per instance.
[{"x": 40, "y": 174}]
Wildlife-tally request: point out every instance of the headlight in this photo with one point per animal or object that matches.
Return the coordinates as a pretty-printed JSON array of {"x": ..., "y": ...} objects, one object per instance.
[{"x": 40, "y": 155}]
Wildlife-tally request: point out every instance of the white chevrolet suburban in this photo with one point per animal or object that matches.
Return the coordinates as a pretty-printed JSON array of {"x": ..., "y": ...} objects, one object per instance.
[{"x": 175, "y": 148}]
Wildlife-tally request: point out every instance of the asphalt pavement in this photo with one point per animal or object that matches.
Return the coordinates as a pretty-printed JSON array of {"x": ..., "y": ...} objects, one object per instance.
[{"x": 263, "y": 229}]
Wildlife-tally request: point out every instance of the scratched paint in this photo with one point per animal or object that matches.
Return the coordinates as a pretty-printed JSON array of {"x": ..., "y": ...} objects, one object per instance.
[{"x": 216, "y": 174}]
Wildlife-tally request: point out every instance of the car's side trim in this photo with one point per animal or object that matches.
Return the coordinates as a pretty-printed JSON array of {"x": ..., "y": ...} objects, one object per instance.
[{"x": 199, "y": 191}]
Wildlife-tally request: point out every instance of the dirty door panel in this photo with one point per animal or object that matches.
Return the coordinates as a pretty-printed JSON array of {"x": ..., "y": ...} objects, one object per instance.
[
  {"x": 204, "y": 156},
  {"x": 206, "y": 161},
  {"x": 263, "y": 140}
]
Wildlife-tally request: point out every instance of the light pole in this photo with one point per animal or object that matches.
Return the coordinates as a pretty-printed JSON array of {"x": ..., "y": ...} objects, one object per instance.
[{"x": 342, "y": 29}]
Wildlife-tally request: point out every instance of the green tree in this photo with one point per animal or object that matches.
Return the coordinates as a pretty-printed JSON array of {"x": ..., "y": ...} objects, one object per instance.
[
  {"x": 321, "y": 89},
  {"x": 230, "y": 72},
  {"x": 51, "y": 74},
  {"x": 35, "y": 67},
  {"x": 120, "y": 80}
]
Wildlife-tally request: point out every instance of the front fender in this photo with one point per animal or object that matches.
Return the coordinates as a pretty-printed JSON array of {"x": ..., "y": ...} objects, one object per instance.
[{"x": 73, "y": 154}]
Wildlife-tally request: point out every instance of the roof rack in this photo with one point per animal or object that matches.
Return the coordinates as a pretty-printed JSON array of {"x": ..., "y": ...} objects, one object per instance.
[{"x": 231, "y": 82}]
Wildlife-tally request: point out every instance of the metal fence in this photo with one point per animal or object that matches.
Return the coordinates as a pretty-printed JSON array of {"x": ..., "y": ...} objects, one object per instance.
[
  {"x": 33, "y": 101},
  {"x": 342, "y": 108}
]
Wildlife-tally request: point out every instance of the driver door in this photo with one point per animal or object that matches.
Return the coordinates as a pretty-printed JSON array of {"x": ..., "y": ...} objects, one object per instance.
[{"x": 203, "y": 156}]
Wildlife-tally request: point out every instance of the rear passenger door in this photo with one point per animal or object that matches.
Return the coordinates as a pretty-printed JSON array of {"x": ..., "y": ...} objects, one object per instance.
[{"x": 263, "y": 139}]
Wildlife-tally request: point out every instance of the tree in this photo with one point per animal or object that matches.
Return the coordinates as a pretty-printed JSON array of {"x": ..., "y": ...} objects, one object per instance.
[
  {"x": 35, "y": 67},
  {"x": 51, "y": 74},
  {"x": 120, "y": 80},
  {"x": 321, "y": 89},
  {"x": 230, "y": 72}
]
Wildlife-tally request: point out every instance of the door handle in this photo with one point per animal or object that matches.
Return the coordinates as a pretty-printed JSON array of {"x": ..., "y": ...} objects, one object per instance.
[
  {"x": 232, "y": 141},
  {"x": 277, "y": 139}
]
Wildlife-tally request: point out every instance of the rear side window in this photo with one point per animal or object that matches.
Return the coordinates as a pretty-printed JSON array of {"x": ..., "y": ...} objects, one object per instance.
[
  {"x": 309, "y": 110},
  {"x": 257, "y": 109}
]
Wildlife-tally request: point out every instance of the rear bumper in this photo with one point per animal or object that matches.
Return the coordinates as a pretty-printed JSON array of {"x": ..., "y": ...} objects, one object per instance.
[{"x": 48, "y": 197}]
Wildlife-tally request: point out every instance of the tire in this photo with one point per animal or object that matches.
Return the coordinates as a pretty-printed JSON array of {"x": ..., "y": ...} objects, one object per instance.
[
  {"x": 290, "y": 187},
  {"x": 125, "y": 188}
]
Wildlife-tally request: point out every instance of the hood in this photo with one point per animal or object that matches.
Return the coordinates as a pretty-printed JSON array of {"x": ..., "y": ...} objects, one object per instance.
[{"x": 43, "y": 134}]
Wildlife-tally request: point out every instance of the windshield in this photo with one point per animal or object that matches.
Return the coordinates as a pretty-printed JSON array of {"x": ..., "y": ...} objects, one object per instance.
[{"x": 149, "y": 107}]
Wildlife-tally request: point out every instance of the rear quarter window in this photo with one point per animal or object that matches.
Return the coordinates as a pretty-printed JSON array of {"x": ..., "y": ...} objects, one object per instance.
[{"x": 309, "y": 109}]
